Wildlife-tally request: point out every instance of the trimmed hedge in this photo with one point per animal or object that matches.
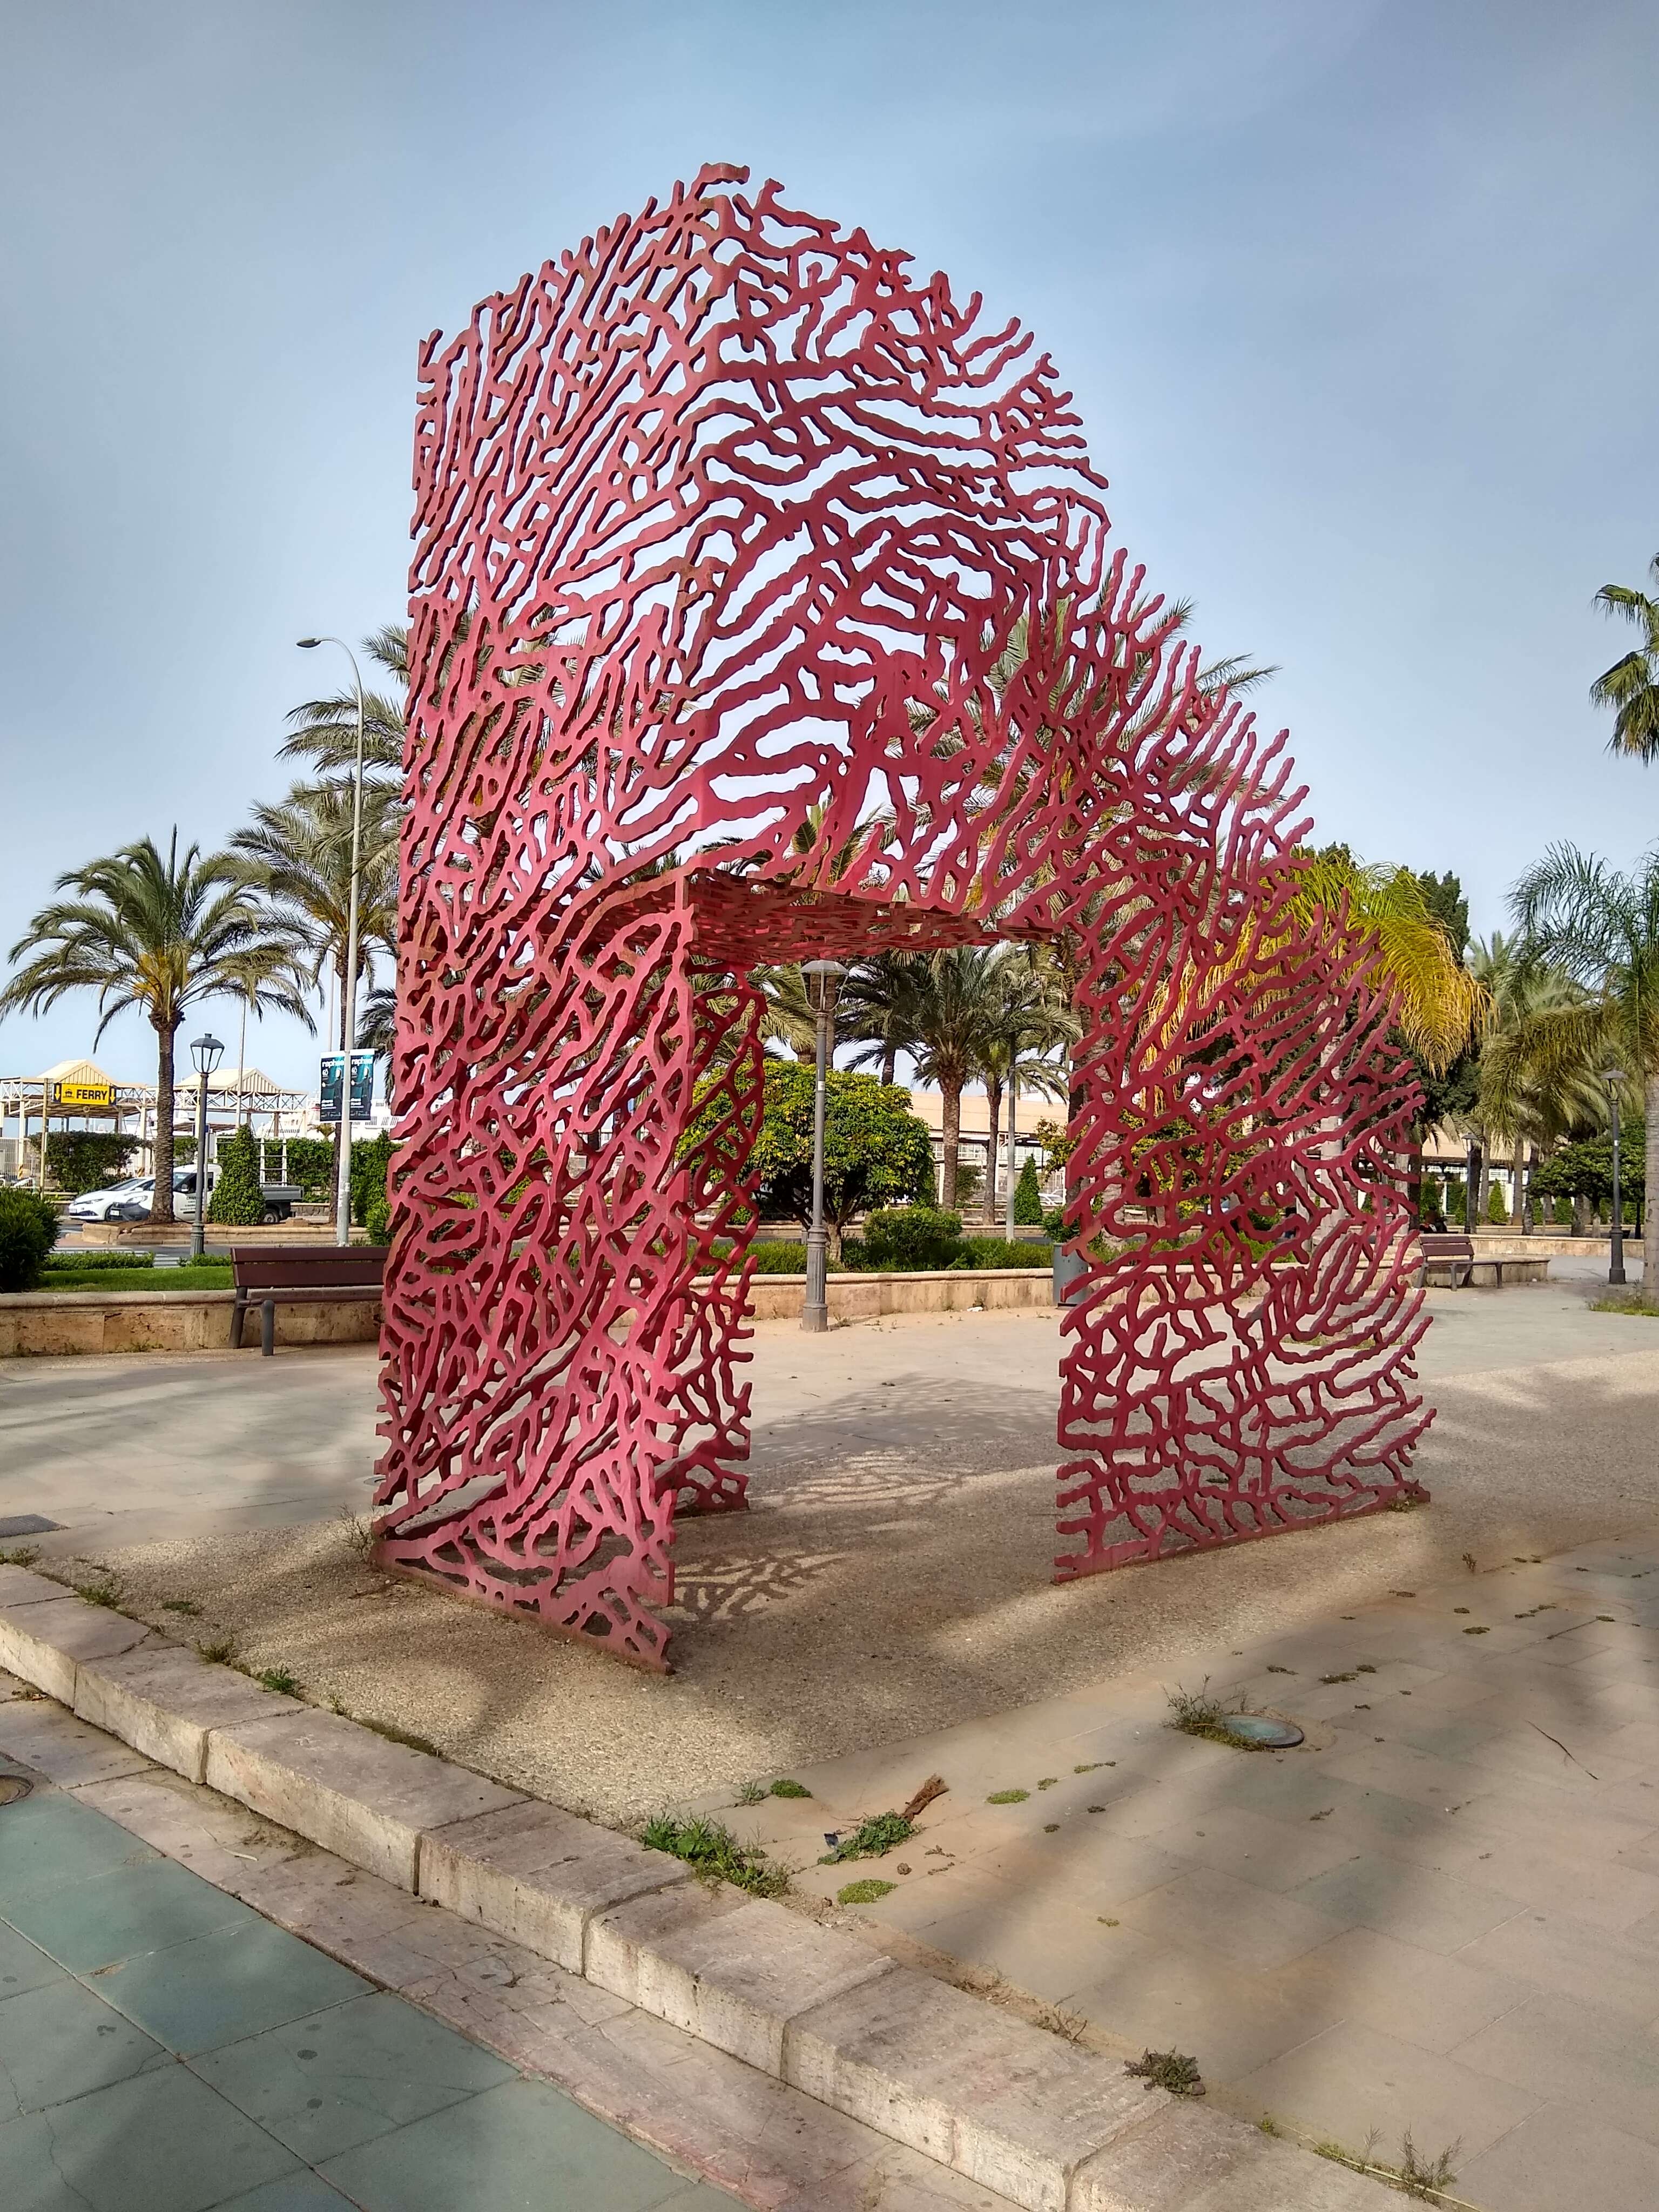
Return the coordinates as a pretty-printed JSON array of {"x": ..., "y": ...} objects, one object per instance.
[{"x": 83, "y": 1263}]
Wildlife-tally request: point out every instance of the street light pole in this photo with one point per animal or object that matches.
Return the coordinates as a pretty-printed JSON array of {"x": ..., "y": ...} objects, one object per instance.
[
  {"x": 205, "y": 1052},
  {"x": 1612, "y": 1077},
  {"x": 823, "y": 981},
  {"x": 349, "y": 984}
]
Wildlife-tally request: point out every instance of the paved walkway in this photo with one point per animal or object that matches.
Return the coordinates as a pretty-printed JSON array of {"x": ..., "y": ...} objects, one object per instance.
[
  {"x": 163, "y": 2048},
  {"x": 1441, "y": 1915}
]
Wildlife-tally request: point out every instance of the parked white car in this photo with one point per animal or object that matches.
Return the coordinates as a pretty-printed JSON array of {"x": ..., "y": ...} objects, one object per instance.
[{"x": 125, "y": 1201}]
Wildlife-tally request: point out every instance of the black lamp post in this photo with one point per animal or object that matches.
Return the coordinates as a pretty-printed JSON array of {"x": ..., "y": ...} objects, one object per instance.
[
  {"x": 823, "y": 981},
  {"x": 1472, "y": 1202},
  {"x": 206, "y": 1052},
  {"x": 1612, "y": 1077}
]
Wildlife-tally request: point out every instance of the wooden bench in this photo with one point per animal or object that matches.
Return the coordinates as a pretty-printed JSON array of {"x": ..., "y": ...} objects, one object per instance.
[
  {"x": 1467, "y": 1268},
  {"x": 272, "y": 1275},
  {"x": 1452, "y": 1254}
]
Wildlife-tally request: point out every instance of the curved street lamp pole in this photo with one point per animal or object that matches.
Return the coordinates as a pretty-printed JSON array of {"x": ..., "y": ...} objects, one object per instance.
[
  {"x": 348, "y": 985},
  {"x": 206, "y": 1052},
  {"x": 823, "y": 981}
]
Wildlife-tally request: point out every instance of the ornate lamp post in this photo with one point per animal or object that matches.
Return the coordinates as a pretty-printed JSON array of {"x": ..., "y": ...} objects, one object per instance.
[
  {"x": 823, "y": 981},
  {"x": 206, "y": 1052},
  {"x": 1472, "y": 1200},
  {"x": 348, "y": 988},
  {"x": 1612, "y": 1077}
]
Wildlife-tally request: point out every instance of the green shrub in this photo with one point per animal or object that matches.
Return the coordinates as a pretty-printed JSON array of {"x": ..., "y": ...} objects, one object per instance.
[
  {"x": 1457, "y": 1202},
  {"x": 310, "y": 1164},
  {"x": 88, "y": 1263},
  {"x": 87, "y": 1159},
  {"x": 237, "y": 1200},
  {"x": 369, "y": 1163},
  {"x": 1028, "y": 1198},
  {"x": 779, "y": 1258},
  {"x": 1495, "y": 1209},
  {"x": 28, "y": 1229},
  {"x": 1561, "y": 1213},
  {"x": 907, "y": 1238},
  {"x": 377, "y": 1221},
  {"x": 1054, "y": 1224},
  {"x": 996, "y": 1252}
]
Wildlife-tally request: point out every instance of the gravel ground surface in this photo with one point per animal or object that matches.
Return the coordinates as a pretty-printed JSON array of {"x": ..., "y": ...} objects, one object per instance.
[{"x": 892, "y": 1577}]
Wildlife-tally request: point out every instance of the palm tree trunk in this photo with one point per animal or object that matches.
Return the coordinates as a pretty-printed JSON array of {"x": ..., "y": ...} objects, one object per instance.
[
  {"x": 889, "y": 1063},
  {"x": 1650, "y": 1204},
  {"x": 161, "y": 1196},
  {"x": 993, "y": 1101},
  {"x": 1518, "y": 1165},
  {"x": 950, "y": 1138}
]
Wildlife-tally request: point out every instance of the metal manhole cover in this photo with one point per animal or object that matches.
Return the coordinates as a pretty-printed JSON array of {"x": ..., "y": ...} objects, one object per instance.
[
  {"x": 1259, "y": 1729},
  {"x": 12, "y": 1787}
]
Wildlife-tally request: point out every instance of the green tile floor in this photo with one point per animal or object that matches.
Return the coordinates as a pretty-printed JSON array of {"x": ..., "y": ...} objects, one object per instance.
[{"x": 164, "y": 2049}]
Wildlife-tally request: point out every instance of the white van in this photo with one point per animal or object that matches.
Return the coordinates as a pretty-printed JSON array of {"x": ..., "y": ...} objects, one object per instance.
[{"x": 130, "y": 1201}]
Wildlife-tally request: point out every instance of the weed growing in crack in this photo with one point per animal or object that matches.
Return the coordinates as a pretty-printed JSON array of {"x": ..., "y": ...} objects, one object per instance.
[
  {"x": 1007, "y": 1796},
  {"x": 714, "y": 1854},
  {"x": 867, "y": 1892},
  {"x": 219, "y": 1652},
  {"x": 751, "y": 1793},
  {"x": 787, "y": 1789},
  {"x": 108, "y": 1592},
  {"x": 185, "y": 1605},
  {"x": 279, "y": 1679},
  {"x": 1168, "y": 2069},
  {"x": 21, "y": 1555},
  {"x": 872, "y": 1838}
]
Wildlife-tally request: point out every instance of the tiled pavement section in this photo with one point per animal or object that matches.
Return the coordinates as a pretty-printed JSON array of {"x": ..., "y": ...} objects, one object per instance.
[
  {"x": 1441, "y": 1915},
  {"x": 163, "y": 2045},
  {"x": 168, "y": 2041}
]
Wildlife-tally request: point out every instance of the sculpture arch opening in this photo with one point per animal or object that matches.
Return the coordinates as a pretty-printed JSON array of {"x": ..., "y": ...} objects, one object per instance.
[{"x": 727, "y": 526}]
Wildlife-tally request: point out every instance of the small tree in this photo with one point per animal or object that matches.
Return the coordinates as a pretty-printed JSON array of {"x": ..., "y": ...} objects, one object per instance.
[
  {"x": 1431, "y": 1201},
  {"x": 369, "y": 1163},
  {"x": 1496, "y": 1211},
  {"x": 1028, "y": 1197},
  {"x": 87, "y": 1159},
  {"x": 1458, "y": 1201},
  {"x": 876, "y": 1152},
  {"x": 237, "y": 1201},
  {"x": 28, "y": 1229}
]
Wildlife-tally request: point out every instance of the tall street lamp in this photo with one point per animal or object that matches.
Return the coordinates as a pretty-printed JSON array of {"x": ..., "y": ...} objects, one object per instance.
[
  {"x": 1472, "y": 1189},
  {"x": 206, "y": 1052},
  {"x": 1612, "y": 1077},
  {"x": 348, "y": 989},
  {"x": 823, "y": 981}
]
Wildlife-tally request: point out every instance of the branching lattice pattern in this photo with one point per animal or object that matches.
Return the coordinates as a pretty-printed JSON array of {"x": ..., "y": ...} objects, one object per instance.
[{"x": 733, "y": 537}]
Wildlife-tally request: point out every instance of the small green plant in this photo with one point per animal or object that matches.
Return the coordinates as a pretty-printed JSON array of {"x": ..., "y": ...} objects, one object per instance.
[
  {"x": 220, "y": 1651},
  {"x": 1007, "y": 1796},
  {"x": 21, "y": 1555},
  {"x": 1477, "y": 1631},
  {"x": 1352, "y": 1675},
  {"x": 1629, "y": 1300},
  {"x": 864, "y": 1893},
  {"x": 181, "y": 1605},
  {"x": 1048, "y": 1782},
  {"x": 751, "y": 1793},
  {"x": 713, "y": 1853},
  {"x": 1269, "y": 2125},
  {"x": 785, "y": 1787},
  {"x": 1028, "y": 1197},
  {"x": 108, "y": 1592},
  {"x": 1088, "y": 1767},
  {"x": 1168, "y": 2069},
  {"x": 1429, "y": 2179},
  {"x": 872, "y": 1838},
  {"x": 278, "y": 1678}
]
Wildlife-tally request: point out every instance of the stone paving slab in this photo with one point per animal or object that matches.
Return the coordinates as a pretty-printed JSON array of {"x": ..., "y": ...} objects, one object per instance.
[
  {"x": 1393, "y": 1927},
  {"x": 1010, "y": 2110}
]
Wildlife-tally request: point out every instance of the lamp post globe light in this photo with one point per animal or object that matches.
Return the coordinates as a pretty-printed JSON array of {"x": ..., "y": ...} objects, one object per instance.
[
  {"x": 1612, "y": 1077},
  {"x": 823, "y": 981},
  {"x": 349, "y": 986},
  {"x": 206, "y": 1052}
]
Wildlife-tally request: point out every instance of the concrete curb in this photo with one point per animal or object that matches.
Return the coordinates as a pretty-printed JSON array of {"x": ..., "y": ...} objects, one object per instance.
[{"x": 1048, "y": 2127}]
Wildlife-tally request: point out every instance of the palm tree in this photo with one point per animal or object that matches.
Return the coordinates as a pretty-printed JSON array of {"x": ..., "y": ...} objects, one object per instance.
[
  {"x": 1510, "y": 1101},
  {"x": 376, "y": 1030},
  {"x": 298, "y": 853},
  {"x": 1631, "y": 686},
  {"x": 1601, "y": 928},
  {"x": 1033, "y": 1021},
  {"x": 955, "y": 1000},
  {"x": 159, "y": 935},
  {"x": 326, "y": 730},
  {"x": 877, "y": 1010},
  {"x": 1437, "y": 1002}
]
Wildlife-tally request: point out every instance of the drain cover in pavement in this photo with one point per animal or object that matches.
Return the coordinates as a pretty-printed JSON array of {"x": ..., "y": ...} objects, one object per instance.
[
  {"x": 27, "y": 1524},
  {"x": 1257, "y": 1728},
  {"x": 12, "y": 1787}
]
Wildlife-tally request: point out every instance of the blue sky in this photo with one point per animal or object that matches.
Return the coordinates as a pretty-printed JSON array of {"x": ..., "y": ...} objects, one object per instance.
[{"x": 1358, "y": 301}]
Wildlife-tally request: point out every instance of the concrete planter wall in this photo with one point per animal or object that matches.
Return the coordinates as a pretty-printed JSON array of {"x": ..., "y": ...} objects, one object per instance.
[
  {"x": 866, "y": 1298},
  {"x": 40, "y": 1324}
]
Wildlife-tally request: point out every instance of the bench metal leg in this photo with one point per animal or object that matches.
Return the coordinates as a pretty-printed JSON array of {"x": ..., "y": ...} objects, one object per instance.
[
  {"x": 268, "y": 1328},
  {"x": 236, "y": 1314}
]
